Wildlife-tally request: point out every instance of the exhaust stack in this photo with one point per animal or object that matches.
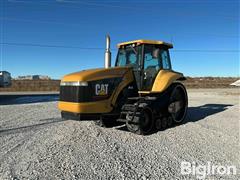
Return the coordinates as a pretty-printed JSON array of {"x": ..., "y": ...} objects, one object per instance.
[{"x": 107, "y": 62}]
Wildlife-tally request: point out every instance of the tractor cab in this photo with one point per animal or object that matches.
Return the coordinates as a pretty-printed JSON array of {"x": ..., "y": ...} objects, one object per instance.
[{"x": 147, "y": 58}]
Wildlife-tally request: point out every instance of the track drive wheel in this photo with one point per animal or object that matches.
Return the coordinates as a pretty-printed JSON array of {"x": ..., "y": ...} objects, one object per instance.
[
  {"x": 178, "y": 103},
  {"x": 143, "y": 122}
]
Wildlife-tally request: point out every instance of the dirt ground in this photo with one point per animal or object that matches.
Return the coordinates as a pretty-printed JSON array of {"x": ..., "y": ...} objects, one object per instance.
[
  {"x": 36, "y": 144},
  {"x": 53, "y": 85}
]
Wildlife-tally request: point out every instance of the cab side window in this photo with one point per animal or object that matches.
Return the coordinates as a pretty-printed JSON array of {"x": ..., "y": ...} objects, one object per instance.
[
  {"x": 132, "y": 60},
  {"x": 122, "y": 58},
  {"x": 151, "y": 58},
  {"x": 128, "y": 57},
  {"x": 165, "y": 59}
]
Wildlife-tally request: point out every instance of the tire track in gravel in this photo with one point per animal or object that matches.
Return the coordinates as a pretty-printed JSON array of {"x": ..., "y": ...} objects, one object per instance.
[
  {"x": 33, "y": 127},
  {"x": 28, "y": 132}
]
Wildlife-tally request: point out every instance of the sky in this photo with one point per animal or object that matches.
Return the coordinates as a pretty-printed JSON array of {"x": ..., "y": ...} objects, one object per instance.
[{"x": 57, "y": 37}]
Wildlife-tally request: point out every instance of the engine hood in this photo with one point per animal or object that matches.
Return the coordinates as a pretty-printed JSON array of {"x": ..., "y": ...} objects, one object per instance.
[{"x": 95, "y": 74}]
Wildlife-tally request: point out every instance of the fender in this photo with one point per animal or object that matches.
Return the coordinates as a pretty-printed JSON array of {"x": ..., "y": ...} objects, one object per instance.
[{"x": 164, "y": 79}]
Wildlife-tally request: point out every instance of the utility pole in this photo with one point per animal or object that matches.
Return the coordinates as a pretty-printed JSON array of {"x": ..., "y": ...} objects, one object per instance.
[{"x": 1, "y": 35}]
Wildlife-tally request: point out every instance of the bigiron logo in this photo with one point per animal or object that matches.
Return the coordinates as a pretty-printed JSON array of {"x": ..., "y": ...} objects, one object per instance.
[
  {"x": 101, "y": 89},
  {"x": 209, "y": 169}
]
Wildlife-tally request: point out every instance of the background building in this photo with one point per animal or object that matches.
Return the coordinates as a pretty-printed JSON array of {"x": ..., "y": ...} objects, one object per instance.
[
  {"x": 5, "y": 79},
  {"x": 33, "y": 77}
]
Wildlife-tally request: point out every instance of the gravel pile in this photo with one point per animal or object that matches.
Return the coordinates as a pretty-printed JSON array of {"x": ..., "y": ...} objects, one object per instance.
[{"x": 36, "y": 144}]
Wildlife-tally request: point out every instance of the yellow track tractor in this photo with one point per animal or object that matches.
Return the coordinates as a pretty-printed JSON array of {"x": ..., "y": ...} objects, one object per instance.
[{"x": 141, "y": 90}]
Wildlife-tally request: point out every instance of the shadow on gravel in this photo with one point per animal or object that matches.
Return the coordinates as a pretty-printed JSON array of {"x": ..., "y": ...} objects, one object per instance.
[
  {"x": 200, "y": 112},
  {"x": 22, "y": 129},
  {"x": 194, "y": 114},
  {"x": 26, "y": 99}
]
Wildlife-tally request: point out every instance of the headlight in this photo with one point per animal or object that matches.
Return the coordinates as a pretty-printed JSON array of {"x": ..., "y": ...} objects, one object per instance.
[{"x": 74, "y": 83}]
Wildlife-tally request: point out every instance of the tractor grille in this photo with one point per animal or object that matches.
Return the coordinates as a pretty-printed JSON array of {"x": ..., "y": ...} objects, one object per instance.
[
  {"x": 88, "y": 93},
  {"x": 74, "y": 93},
  {"x": 68, "y": 93}
]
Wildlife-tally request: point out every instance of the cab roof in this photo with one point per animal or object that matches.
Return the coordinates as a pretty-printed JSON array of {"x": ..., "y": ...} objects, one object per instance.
[{"x": 142, "y": 41}]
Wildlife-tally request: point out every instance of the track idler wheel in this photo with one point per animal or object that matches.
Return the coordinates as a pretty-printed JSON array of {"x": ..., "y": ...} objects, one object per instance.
[{"x": 142, "y": 123}]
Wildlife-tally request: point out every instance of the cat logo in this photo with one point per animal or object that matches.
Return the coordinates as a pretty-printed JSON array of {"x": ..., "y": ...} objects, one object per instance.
[{"x": 101, "y": 89}]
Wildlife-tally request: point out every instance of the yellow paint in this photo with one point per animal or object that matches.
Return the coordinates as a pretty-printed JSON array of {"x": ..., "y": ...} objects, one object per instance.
[
  {"x": 95, "y": 74},
  {"x": 86, "y": 107},
  {"x": 164, "y": 79},
  {"x": 141, "y": 41}
]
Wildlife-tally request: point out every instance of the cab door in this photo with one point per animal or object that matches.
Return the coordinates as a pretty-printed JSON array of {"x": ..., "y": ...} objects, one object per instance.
[
  {"x": 131, "y": 57},
  {"x": 154, "y": 59},
  {"x": 151, "y": 66}
]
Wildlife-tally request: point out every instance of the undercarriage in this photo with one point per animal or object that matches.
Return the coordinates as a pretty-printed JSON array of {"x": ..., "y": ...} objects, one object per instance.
[{"x": 143, "y": 115}]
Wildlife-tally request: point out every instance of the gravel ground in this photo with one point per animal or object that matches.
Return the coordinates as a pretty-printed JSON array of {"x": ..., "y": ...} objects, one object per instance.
[{"x": 36, "y": 144}]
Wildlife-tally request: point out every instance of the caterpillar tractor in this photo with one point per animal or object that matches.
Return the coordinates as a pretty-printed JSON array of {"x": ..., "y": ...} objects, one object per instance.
[{"x": 141, "y": 90}]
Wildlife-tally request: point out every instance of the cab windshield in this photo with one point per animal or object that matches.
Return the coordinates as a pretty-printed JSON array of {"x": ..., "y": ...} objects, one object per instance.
[{"x": 128, "y": 56}]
